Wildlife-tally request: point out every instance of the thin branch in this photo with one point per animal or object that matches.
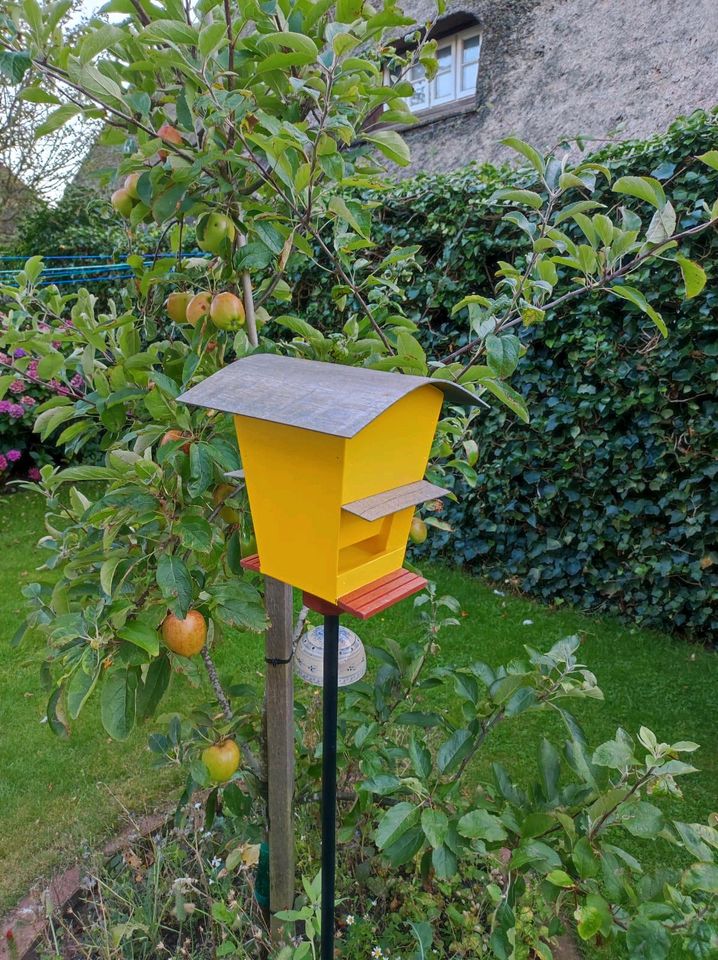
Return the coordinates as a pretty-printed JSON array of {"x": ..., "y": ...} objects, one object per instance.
[{"x": 593, "y": 287}]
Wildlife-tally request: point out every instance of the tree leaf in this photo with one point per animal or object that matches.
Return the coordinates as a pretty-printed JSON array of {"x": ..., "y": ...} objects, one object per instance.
[
  {"x": 481, "y": 825},
  {"x": 527, "y": 151},
  {"x": 175, "y": 584},
  {"x": 79, "y": 687},
  {"x": 444, "y": 861},
  {"x": 637, "y": 298},
  {"x": 710, "y": 159},
  {"x": 142, "y": 635},
  {"x": 435, "y": 825},
  {"x": 58, "y": 118},
  {"x": 644, "y": 188},
  {"x": 453, "y": 751},
  {"x": 391, "y": 145},
  {"x": 154, "y": 686},
  {"x": 396, "y": 821},
  {"x": 694, "y": 276},
  {"x": 117, "y": 702},
  {"x": 502, "y": 353}
]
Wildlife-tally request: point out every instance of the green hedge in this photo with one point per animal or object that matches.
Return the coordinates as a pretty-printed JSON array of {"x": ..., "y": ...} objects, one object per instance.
[{"x": 607, "y": 500}]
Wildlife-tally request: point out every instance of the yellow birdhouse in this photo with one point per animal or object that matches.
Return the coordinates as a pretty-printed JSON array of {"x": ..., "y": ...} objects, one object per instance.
[{"x": 334, "y": 460}]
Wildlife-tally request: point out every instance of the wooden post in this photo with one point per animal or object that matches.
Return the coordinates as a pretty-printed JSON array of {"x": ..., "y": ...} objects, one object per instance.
[{"x": 280, "y": 748}]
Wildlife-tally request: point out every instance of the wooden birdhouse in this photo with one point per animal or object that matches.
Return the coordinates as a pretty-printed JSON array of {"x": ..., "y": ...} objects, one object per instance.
[{"x": 334, "y": 460}]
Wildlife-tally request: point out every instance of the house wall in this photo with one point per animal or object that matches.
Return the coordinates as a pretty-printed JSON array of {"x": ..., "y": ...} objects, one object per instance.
[{"x": 552, "y": 69}]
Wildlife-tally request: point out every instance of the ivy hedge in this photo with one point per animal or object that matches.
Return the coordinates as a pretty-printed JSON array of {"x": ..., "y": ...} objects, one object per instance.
[{"x": 607, "y": 499}]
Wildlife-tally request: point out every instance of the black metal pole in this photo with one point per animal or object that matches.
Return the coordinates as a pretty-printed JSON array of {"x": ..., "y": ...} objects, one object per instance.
[{"x": 329, "y": 782}]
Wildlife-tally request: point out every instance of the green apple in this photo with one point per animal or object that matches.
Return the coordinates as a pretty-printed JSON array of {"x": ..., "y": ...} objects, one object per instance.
[
  {"x": 226, "y": 311},
  {"x": 212, "y": 231},
  {"x": 122, "y": 202}
]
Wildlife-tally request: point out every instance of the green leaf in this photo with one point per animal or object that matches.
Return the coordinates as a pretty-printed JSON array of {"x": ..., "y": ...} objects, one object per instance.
[
  {"x": 396, "y": 821},
  {"x": 526, "y": 198},
  {"x": 36, "y": 94},
  {"x": 175, "y": 584},
  {"x": 302, "y": 50},
  {"x": 701, "y": 876},
  {"x": 58, "y": 118},
  {"x": 117, "y": 702},
  {"x": 502, "y": 353},
  {"x": 99, "y": 39},
  {"x": 507, "y": 395},
  {"x": 420, "y": 758},
  {"x": 173, "y": 31},
  {"x": 662, "y": 225},
  {"x": 444, "y": 861},
  {"x": 405, "y": 848},
  {"x": 391, "y": 145},
  {"x": 647, "y": 940},
  {"x": 644, "y": 188},
  {"x": 527, "y": 151},
  {"x": 435, "y": 825},
  {"x": 56, "y": 713},
  {"x": 584, "y": 859},
  {"x": 559, "y": 878},
  {"x": 211, "y": 37},
  {"x": 481, "y": 825},
  {"x": 453, "y": 751},
  {"x": 637, "y": 298},
  {"x": 710, "y": 159},
  {"x": 195, "y": 533},
  {"x": 79, "y": 687},
  {"x": 142, "y": 635},
  {"x": 154, "y": 686},
  {"x": 694, "y": 276},
  {"x": 641, "y": 819},
  {"x": 14, "y": 64}
]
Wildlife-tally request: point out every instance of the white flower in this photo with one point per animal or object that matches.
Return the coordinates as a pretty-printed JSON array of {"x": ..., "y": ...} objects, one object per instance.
[
  {"x": 215, "y": 862},
  {"x": 499, "y": 593},
  {"x": 377, "y": 952},
  {"x": 527, "y": 623},
  {"x": 350, "y": 919}
]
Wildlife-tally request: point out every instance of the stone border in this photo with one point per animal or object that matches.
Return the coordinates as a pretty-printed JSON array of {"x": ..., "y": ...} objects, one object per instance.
[{"x": 22, "y": 929}]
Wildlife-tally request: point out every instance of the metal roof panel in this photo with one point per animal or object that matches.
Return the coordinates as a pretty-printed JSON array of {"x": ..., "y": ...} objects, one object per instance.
[{"x": 325, "y": 397}]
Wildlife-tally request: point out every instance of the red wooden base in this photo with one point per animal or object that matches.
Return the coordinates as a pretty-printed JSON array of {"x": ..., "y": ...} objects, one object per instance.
[
  {"x": 381, "y": 594},
  {"x": 369, "y": 600}
]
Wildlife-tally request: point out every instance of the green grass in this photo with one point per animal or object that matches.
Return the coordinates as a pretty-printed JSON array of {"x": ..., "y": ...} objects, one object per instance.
[{"x": 58, "y": 797}]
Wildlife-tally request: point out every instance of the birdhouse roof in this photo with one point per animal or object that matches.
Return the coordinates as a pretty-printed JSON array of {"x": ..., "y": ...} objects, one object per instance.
[{"x": 325, "y": 397}]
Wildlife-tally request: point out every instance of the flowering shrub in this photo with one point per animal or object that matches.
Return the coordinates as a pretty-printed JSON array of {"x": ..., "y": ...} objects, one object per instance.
[{"x": 22, "y": 389}]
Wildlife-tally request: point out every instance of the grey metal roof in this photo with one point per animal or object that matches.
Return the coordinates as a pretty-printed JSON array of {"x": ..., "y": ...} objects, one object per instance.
[{"x": 325, "y": 397}]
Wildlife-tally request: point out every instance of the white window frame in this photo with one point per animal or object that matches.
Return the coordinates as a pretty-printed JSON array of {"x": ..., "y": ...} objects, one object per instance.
[{"x": 456, "y": 42}]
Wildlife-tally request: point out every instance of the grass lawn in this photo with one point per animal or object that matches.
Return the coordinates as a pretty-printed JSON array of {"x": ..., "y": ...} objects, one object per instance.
[{"x": 57, "y": 797}]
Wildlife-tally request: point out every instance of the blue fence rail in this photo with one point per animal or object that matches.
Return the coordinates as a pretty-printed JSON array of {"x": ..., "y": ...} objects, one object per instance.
[{"x": 75, "y": 273}]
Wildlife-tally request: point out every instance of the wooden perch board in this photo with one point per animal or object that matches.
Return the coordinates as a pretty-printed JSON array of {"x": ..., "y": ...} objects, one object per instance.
[{"x": 391, "y": 501}]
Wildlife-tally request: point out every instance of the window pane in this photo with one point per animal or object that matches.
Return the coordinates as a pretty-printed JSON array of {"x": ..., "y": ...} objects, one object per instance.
[
  {"x": 469, "y": 73},
  {"x": 444, "y": 85},
  {"x": 471, "y": 45},
  {"x": 420, "y": 98},
  {"x": 443, "y": 55}
]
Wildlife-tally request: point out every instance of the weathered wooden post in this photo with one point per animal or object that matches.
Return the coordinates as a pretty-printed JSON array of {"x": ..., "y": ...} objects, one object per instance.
[
  {"x": 334, "y": 458},
  {"x": 279, "y": 705}
]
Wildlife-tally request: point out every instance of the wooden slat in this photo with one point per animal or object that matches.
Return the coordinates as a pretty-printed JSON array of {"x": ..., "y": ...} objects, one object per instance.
[
  {"x": 391, "y": 501},
  {"x": 381, "y": 594},
  {"x": 279, "y": 719},
  {"x": 326, "y": 397},
  {"x": 250, "y": 563}
]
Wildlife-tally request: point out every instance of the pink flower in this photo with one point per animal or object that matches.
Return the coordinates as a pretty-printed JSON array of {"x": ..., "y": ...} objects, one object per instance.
[
  {"x": 16, "y": 410},
  {"x": 17, "y": 386},
  {"x": 32, "y": 368},
  {"x": 3, "y": 463},
  {"x": 33, "y": 474},
  {"x": 44, "y": 327},
  {"x": 20, "y": 353},
  {"x": 57, "y": 344},
  {"x": 4, "y": 357},
  {"x": 28, "y": 401},
  {"x": 13, "y": 455},
  {"x": 5, "y": 406},
  {"x": 77, "y": 381}
]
